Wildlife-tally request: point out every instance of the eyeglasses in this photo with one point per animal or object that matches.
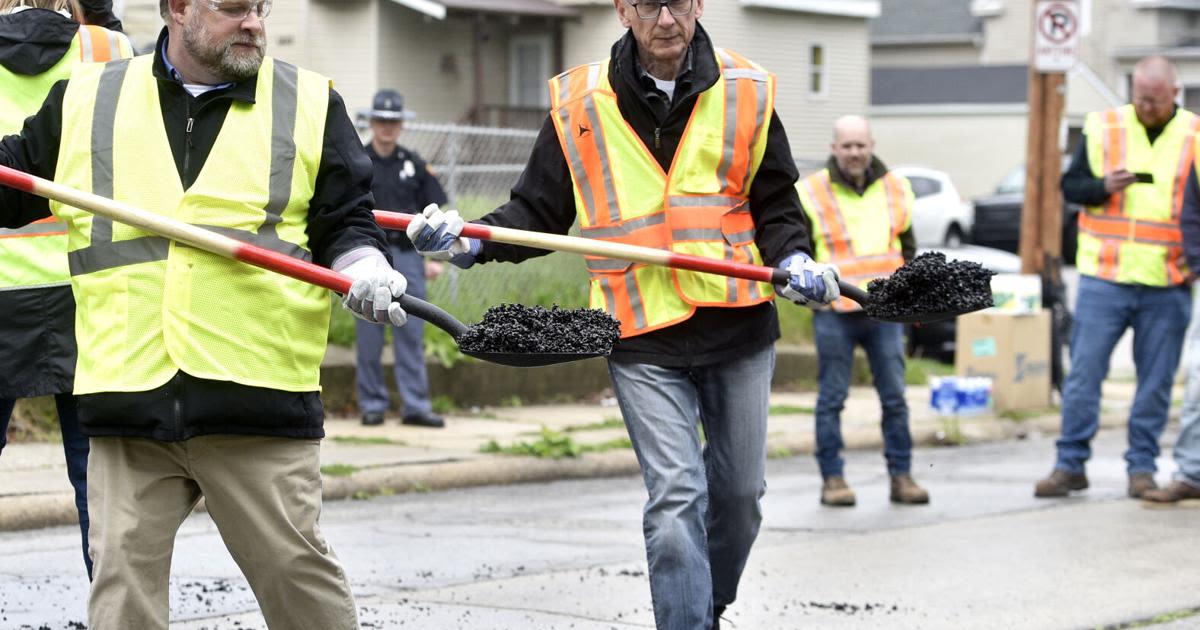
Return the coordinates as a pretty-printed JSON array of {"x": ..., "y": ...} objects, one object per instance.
[
  {"x": 650, "y": 9},
  {"x": 240, "y": 10}
]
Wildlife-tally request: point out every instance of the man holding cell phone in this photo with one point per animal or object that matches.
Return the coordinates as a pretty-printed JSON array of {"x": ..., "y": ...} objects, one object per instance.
[{"x": 1129, "y": 172}]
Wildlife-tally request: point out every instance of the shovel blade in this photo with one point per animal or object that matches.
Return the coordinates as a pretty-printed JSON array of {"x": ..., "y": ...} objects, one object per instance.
[{"x": 529, "y": 359}]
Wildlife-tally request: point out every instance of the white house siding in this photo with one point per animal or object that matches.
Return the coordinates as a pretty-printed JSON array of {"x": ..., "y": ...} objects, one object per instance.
[
  {"x": 975, "y": 150},
  {"x": 287, "y": 29},
  {"x": 341, "y": 40},
  {"x": 428, "y": 61},
  {"x": 592, "y": 35},
  {"x": 924, "y": 55}
]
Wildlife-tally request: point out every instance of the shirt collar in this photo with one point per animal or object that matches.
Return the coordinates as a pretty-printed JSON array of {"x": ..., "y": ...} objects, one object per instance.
[{"x": 175, "y": 73}]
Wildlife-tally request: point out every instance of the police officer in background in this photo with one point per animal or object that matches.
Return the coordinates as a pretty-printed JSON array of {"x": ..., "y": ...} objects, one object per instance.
[{"x": 402, "y": 183}]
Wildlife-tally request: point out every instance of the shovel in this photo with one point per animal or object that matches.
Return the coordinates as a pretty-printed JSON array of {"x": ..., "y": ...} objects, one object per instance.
[
  {"x": 270, "y": 260},
  {"x": 652, "y": 256}
]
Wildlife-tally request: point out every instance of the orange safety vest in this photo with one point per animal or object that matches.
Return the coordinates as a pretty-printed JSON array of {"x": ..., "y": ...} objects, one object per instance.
[
  {"x": 858, "y": 262},
  {"x": 698, "y": 207},
  {"x": 1128, "y": 239}
]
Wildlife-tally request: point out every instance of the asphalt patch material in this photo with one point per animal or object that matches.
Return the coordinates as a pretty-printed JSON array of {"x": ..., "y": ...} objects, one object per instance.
[
  {"x": 929, "y": 285},
  {"x": 514, "y": 328}
]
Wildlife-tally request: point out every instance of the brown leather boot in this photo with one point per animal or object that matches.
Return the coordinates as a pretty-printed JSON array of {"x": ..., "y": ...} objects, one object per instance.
[
  {"x": 1174, "y": 493},
  {"x": 1141, "y": 483},
  {"x": 905, "y": 490},
  {"x": 837, "y": 492},
  {"x": 1060, "y": 483}
]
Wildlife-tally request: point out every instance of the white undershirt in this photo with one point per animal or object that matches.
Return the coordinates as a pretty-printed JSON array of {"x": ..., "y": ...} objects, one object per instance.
[{"x": 667, "y": 87}]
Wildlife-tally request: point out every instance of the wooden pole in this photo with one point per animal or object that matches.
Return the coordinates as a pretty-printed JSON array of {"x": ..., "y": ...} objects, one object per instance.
[{"x": 1031, "y": 208}]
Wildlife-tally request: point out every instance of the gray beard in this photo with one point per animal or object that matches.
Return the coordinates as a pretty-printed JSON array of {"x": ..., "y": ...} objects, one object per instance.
[{"x": 220, "y": 58}]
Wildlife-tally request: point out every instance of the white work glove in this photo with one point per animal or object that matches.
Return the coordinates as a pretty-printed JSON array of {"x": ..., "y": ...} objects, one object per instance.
[
  {"x": 376, "y": 286},
  {"x": 436, "y": 234},
  {"x": 812, "y": 283}
]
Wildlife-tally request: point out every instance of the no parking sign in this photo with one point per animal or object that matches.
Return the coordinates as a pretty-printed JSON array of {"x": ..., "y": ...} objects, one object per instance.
[{"x": 1056, "y": 35}]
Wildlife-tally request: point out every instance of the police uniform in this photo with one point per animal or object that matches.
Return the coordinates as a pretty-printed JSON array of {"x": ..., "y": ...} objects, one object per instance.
[{"x": 402, "y": 183}]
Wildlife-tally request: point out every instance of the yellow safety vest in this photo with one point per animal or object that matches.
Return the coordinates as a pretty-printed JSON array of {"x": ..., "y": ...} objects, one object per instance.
[
  {"x": 1134, "y": 238},
  {"x": 148, "y": 307},
  {"x": 859, "y": 234},
  {"x": 700, "y": 207},
  {"x": 36, "y": 255}
]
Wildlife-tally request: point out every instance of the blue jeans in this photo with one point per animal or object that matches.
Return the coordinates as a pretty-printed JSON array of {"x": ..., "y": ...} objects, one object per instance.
[
  {"x": 408, "y": 348},
  {"x": 1103, "y": 310},
  {"x": 836, "y": 336},
  {"x": 703, "y": 511},
  {"x": 75, "y": 449},
  {"x": 1187, "y": 446}
]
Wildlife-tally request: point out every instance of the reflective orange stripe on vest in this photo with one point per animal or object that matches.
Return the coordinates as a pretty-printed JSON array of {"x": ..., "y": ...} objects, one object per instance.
[
  {"x": 1129, "y": 229},
  {"x": 98, "y": 44},
  {"x": 1115, "y": 154},
  {"x": 1186, "y": 158},
  {"x": 42, "y": 227}
]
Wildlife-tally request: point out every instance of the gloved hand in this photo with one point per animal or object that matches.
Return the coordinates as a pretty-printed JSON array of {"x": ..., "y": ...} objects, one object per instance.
[
  {"x": 436, "y": 234},
  {"x": 375, "y": 288},
  {"x": 812, "y": 282}
]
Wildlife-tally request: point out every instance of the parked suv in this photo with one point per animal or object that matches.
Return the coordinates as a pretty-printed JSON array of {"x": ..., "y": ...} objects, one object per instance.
[{"x": 998, "y": 216}]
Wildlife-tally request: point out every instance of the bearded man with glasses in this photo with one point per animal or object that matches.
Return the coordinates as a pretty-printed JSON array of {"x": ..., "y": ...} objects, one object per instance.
[
  {"x": 673, "y": 143},
  {"x": 198, "y": 377}
]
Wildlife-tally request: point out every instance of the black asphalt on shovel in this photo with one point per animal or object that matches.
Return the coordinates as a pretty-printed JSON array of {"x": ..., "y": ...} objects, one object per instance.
[
  {"x": 562, "y": 326},
  {"x": 926, "y": 290}
]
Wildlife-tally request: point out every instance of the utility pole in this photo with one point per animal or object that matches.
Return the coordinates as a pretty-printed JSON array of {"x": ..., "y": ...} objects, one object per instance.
[{"x": 1055, "y": 46}]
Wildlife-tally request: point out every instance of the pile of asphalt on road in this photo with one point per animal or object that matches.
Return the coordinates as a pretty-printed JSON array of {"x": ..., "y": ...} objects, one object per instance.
[
  {"x": 930, "y": 285},
  {"x": 514, "y": 328}
]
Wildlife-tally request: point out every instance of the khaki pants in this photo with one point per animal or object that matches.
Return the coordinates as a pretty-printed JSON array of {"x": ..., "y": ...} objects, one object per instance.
[{"x": 264, "y": 494}]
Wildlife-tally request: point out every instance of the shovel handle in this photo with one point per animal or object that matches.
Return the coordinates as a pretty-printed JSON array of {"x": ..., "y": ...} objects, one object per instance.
[
  {"x": 214, "y": 243},
  {"x": 620, "y": 251}
]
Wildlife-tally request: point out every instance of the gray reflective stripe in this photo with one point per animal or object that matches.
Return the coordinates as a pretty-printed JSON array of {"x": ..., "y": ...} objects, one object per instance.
[
  {"x": 35, "y": 228},
  {"x": 698, "y": 234},
  {"x": 269, "y": 241},
  {"x": 754, "y": 292},
  {"x": 746, "y": 73},
  {"x": 606, "y": 264},
  {"x": 837, "y": 211},
  {"x": 103, "y": 120},
  {"x": 724, "y": 201},
  {"x": 760, "y": 114},
  {"x": 731, "y": 118},
  {"x": 101, "y": 256},
  {"x": 739, "y": 237},
  {"x": 624, "y": 228},
  {"x": 114, "y": 45},
  {"x": 564, "y": 87},
  {"x": 610, "y": 300},
  {"x": 730, "y": 281},
  {"x": 585, "y": 187},
  {"x": 284, "y": 102},
  {"x": 86, "y": 48},
  {"x": 635, "y": 299},
  {"x": 614, "y": 208},
  {"x": 593, "y": 78}
]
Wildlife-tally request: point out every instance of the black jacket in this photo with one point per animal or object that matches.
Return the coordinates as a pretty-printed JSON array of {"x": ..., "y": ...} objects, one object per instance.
[
  {"x": 543, "y": 200},
  {"x": 339, "y": 220},
  {"x": 37, "y": 347},
  {"x": 403, "y": 183},
  {"x": 1080, "y": 185}
]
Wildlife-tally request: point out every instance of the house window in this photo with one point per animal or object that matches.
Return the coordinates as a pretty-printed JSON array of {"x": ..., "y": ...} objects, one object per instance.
[
  {"x": 816, "y": 69},
  {"x": 529, "y": 67}
]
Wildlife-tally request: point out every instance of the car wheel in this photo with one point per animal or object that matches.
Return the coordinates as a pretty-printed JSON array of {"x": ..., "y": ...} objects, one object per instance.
[{"x": 954, "y": 237}]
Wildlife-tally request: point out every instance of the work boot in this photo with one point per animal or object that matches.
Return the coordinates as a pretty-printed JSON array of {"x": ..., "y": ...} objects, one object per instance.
[
  {"x": 1140, "y": 483},
  {"x": 1060, "y": 483},
  {"x": 372, "y": 418},
  {"x": 905, "y": 490},
  {"x": 836, "y": 492},
  {"x": 430, "y": 420},
  {"x": 1174, "y": 493}
]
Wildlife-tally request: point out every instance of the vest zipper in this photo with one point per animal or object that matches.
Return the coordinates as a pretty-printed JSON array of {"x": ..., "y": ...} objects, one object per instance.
[
  {"x": 187, "y": 146},
  {"x": 658, "y": 137},
  {"x": 176, "y": 382}
]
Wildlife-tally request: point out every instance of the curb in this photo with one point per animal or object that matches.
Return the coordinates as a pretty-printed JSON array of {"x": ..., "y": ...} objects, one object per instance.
[{"x": 58, "y": 509}]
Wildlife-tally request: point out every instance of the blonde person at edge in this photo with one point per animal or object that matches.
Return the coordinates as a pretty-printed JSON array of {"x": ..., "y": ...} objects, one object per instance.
[
  {"x": 41, "y": 41},
  {"x": 862, "y": 221},
  {"x": 696, "y": 350},
  {"x": 1132, "y": 271},
  {"x": 198, "y": 376}
]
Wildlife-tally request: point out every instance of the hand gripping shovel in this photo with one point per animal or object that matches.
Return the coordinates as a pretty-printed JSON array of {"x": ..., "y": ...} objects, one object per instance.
[
  {"x": 227, "y": 247},
  {"x": 904, "y": 312}
]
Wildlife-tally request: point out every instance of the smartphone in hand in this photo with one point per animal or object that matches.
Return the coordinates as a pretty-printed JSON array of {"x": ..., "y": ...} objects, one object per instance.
[{"x": 1143, "y": 178}]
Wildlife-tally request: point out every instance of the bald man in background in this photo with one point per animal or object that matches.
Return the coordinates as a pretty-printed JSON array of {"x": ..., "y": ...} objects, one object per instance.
[
  {"x": 861, "y": 215},
  {"x": 1129, "y": 171}
]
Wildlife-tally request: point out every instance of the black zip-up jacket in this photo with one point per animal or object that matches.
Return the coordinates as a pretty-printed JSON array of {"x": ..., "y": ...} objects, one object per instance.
[
  {"x": 339, "y": 220},
  {"x": 543, "y": 200}
]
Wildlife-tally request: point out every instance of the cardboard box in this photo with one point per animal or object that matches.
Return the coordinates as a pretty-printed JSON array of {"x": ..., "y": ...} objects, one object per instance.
[
  {"x": 1017, "y": 293},
  {"x": 1014, "y": 350}
]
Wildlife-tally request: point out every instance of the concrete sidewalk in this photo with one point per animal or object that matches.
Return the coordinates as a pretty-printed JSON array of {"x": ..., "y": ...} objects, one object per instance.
[{"x": 361, "y": 461}]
